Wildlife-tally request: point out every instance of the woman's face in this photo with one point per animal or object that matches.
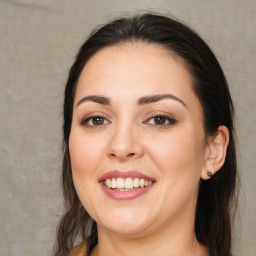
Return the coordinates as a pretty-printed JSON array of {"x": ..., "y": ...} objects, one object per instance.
[{"x": 137, "y": 143}]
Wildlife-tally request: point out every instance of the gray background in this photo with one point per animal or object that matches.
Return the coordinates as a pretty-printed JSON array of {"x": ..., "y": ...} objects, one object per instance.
[{"x": 39, "y": 39}]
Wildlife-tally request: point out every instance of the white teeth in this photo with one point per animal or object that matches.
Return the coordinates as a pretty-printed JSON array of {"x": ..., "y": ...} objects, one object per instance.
[
  {"x": 142, "y": 182},
  {"x": 108, "y": 183},
  {"x": 136, "y": 183},
  {"x": 113, "y": 183},
  {"x": 126, "y": 184},
  {"x": 120, "y": 183}
]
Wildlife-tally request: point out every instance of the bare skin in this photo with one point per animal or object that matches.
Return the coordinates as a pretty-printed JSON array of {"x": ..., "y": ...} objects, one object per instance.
[{"x": 146, "y": 118}]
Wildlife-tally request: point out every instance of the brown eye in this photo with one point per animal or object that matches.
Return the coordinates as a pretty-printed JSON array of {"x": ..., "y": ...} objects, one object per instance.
[
  {"x": 160, "y": 120},
  {"x": 97, "y": 120},
  {"x": 94, "y": 121}
]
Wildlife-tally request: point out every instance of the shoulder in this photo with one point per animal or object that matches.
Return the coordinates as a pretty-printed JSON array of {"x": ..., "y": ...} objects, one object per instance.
[{"x": 79, "y": 250}]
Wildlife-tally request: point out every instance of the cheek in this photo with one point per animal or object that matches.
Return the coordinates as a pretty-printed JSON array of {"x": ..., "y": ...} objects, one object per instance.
[
  {"x": 180, "y": 154},
  {"x": 84, "y": 151},
  {"x": 85, "y": 154}
]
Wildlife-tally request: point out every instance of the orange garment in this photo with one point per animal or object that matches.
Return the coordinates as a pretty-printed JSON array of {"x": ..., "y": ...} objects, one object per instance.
[{"x": 79, "y": 250}]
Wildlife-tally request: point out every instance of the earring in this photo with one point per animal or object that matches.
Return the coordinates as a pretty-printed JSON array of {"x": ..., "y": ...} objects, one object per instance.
[{"x": 210, "y": 174}]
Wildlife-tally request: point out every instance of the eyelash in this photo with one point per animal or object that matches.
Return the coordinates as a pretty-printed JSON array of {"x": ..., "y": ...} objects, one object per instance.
[
  {"x": 170, "y": 121},
  {"x": 85, "y": 121}
]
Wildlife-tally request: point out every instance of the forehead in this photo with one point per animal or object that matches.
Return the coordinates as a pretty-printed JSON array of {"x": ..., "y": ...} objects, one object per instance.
[{"x": 133, "y": 69}]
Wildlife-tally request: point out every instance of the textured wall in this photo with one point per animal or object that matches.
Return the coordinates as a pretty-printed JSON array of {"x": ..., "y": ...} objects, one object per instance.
[{"x": 39, "y": 39}]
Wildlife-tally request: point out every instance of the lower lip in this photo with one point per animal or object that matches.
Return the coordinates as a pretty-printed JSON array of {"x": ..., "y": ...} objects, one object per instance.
[{"x": 125, "y": 195}]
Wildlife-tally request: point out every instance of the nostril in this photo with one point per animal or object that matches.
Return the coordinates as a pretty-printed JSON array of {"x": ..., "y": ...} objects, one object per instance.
[{"x": 122, "y": 156}]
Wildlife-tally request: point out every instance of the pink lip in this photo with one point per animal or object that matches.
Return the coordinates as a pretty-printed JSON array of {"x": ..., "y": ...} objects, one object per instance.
[{"x": 124, "y": 195}]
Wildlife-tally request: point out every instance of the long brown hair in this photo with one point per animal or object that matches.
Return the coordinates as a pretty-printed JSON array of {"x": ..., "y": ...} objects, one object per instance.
[{"x": 217, "y": 195}]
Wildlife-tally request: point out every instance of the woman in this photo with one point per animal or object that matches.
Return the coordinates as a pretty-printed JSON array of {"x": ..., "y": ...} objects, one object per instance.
[{"x": 149, "y": 163}]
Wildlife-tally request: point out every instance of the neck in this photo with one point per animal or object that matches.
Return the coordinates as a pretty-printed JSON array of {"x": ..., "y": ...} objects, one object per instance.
[
  {"x": 174, "y": 236},
  {"x": 155, "y": 244}
]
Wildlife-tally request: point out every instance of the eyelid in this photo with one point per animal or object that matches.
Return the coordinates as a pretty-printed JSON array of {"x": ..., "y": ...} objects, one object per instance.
[
  {"x": 159, "y": 113},
  {"x": 90, "y": 116},
  {"x": 172, "y": 120}
]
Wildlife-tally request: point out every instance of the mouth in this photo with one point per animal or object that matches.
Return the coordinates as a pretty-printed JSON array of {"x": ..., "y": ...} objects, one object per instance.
[{"x": 125, "y": 185}]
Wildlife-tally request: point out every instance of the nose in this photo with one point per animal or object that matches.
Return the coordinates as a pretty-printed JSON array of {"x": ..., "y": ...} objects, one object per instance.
[{"x": 125, "y": 143}]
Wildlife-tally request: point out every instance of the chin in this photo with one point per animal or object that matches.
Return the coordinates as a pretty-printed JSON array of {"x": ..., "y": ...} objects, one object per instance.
[
  {"x": 126, "y": 229},
  {"x": 125, "y": 222}
]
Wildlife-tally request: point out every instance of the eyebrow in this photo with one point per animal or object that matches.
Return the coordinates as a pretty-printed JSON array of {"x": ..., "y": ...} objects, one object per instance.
[
  {"x": 159, "y": 97},
  {"x": 98, "y": 99},
  {"x": 141, "y": 101}
]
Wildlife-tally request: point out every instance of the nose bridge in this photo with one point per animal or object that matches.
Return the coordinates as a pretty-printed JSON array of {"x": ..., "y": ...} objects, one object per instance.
[{"x": 125, "y": 142}]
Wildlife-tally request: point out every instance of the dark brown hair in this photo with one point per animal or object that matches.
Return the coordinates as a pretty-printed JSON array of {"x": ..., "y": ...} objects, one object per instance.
[{"x": 216, "y": 195}]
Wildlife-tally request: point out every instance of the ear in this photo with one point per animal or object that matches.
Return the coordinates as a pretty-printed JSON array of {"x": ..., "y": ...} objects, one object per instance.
[{"x": 216, "y": 152}]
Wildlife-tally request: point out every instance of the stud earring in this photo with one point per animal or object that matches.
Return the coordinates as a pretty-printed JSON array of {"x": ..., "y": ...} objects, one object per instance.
[{"x": 210, "y": 174}]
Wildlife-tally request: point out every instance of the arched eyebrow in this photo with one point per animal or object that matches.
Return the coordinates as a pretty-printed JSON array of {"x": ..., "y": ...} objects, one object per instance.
[
  {"x": 141, "y": 101},
  {"x": 159, "y": 97},
  {"x": 98, "y": 99}
]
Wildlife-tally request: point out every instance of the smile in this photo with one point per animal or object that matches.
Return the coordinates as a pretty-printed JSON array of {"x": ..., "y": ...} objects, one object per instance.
[{"x": 126, "y": 184}]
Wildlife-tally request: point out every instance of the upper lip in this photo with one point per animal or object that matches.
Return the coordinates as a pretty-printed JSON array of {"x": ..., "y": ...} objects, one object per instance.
[{"x": 124, "y": 175}]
